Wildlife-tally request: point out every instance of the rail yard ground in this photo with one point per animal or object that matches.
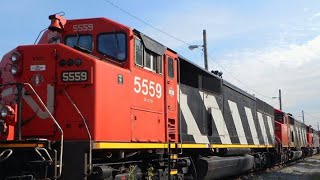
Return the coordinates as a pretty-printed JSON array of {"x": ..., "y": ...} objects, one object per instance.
[{"x": 306, "y": 169}]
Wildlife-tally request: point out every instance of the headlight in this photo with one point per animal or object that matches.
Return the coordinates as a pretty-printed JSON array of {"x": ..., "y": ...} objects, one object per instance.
[
  {"x": 7, "y": 114},
  {"x": 62, "y": 62},
  {"x": 4, "y": 112},
  {"x": 14, "y": 70},
  {"x": 78, "y": 62},
  {"x": 15, "y": 57},
  {"x": 70, "y": 62}
]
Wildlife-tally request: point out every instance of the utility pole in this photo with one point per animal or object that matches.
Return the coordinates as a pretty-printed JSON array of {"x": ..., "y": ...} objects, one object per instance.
[
  {"x": 280, "y": 102},
  {"x": 205, "y": 51},
  {"x": 303, "y": 116}
]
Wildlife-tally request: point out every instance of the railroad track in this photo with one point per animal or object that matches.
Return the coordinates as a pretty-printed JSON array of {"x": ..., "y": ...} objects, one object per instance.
[{"x": 307, "y": 168}]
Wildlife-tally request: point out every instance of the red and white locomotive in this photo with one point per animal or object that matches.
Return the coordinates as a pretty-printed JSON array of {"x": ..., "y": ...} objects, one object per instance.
[
  {"x": 95, "y": 99},
  {"x": 296, "y": 139}
]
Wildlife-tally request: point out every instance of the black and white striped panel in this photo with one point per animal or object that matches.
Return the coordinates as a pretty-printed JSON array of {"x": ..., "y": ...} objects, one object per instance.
[
  {"x": 298, "y": 136},
  {"x": 252, "y": 125},
  {"x": 304, "y": 130},
  {"x": 211, "y": 104},
  {"x": 192, "y": 116},
  {"x": 301, "y": 131},
  {"x": 217, "y": 119},
  {"x": 315, "y": 138}
]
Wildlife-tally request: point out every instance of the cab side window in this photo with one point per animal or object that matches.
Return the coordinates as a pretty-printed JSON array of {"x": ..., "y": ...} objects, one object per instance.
[
  {"x": 138, "y": 55},
  {"x": 146, "y": 58},
  {"x": 170, "y": 68},
  {"x": 153, "y": 62}
]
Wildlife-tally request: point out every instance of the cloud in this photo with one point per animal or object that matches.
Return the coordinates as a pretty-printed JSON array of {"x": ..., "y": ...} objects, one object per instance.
[
  {"x": 315, "y": 16},
  {"x": 294, "y": 69}
]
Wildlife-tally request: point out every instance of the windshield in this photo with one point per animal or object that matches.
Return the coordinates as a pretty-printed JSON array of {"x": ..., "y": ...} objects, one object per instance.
[
  {"x": 84, "y": 41},
  {"x": 113, "y": 45}
]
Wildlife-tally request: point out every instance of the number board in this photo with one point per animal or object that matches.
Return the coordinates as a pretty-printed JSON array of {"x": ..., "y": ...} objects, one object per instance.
[{"x": 74, "y": 76}]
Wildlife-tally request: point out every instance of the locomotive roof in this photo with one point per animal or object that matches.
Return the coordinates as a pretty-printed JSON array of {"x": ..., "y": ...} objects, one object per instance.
[{"x": 225, "y": 82}]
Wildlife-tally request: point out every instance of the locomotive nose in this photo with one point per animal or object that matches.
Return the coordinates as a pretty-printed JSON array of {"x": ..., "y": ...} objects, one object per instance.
[{"x": 28, "y": 66}]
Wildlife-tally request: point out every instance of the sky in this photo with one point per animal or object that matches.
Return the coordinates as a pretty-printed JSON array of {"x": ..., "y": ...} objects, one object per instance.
[{"x": 260, "y": 46}]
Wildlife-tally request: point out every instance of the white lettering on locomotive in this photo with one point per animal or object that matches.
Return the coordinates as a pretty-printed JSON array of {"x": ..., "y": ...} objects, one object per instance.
[
  {"x": 74, "y": 76},
  {"x": 37, "y": 67},
  {"x": 82, "y": 27},
  {"x": 147, "y": 87},
  {"x": 52, "y": 34}
]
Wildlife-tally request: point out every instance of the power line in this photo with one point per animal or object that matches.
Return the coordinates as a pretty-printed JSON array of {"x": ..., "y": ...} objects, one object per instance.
[
  {"x": 184, "y": 42},
  {"x": 238, "y": 79},
  {"x": 146, "y": 23},
  {"x": 310, "y": 112},
  {"x": 311, "y": 115}
]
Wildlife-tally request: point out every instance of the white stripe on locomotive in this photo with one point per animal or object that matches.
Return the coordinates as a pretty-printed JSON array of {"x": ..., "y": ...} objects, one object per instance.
[
  {"x": 192, "y": 127},
  {"x": 297, "y": 135},
  {"x": 211, "y": 102},
  {"x": 301, "y": 136},
  {"x": 253, "y": 128},
  {"x": 237, "y": 122},
  {"x": 271, "y": 129},
  {"x": 263, "y": 128}
]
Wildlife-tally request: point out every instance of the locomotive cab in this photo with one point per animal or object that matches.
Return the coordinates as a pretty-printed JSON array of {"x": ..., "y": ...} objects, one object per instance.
[
  {"x": 281, "y": 127},
  {"x": 49, "y": 102},
  {"x": 291, "y": 135}
]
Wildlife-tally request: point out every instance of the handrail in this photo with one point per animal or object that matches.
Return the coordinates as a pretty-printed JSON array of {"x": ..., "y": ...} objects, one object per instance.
[
  {"x": 8, "y": 151},
  {"x": 180, "y": 111},
  {"x": 54, "y": 120},
  {"x": 56, "y": 123},
  {"x": 87, "y": 128},
  {"x": 37, "y": 149}
]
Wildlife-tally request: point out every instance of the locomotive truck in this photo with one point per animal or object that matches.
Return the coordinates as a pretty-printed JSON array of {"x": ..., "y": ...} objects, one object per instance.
[{"x": 95, "y": 99}]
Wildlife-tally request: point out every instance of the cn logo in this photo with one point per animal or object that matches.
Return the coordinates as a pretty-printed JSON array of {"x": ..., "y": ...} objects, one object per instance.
[{"x": 32, "y": 103}]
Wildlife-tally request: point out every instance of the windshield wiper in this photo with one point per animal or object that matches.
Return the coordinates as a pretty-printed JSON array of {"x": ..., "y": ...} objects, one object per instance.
[
  {"x": 116, "y": 36},
  {"x": 80, "y": 48}
]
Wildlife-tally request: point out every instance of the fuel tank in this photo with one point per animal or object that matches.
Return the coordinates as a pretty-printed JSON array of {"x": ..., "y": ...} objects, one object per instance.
[
  {"x": 215, "y": 167},
  {"x": 295, "y": 155},
  {"x": 315, "y": 151}
]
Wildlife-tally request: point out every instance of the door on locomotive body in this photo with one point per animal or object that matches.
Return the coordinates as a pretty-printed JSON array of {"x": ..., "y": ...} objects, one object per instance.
[
  {"x": 281, "y": 129},
  {"x": 170, "y": 82},
  {"x": 291, "y": 132},
  {"x": 147, "y": 110},
  {"x": 309, "y": 136}
]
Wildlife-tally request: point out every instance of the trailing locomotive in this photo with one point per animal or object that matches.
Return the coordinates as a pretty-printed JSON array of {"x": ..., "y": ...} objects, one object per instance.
[{"x": 95, "y": 99}]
